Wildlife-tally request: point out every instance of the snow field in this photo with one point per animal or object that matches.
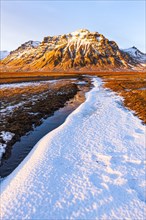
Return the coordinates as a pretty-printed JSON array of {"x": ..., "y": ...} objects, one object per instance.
[{"x": 91, "y": 167}]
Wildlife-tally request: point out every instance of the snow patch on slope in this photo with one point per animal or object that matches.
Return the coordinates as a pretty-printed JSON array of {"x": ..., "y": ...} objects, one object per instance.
[
  {"x": 91, "y": 167},
  {"x": 135, "y": 53},
  {"x": 31, "y": 43},
  {"x": 80, "y": 32},
  {"x": 35, "y": 43},
  {"x": 25, "y": 84}
]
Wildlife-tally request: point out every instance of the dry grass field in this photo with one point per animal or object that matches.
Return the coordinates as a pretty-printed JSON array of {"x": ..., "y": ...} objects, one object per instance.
[{"x": 130, "y": 85}]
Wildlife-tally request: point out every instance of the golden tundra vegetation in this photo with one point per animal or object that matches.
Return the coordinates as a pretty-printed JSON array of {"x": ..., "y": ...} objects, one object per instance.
[{"x": 130, "y": 85}]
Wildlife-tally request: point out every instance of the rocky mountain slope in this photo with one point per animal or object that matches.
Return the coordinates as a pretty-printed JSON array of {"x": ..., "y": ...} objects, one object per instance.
[{"x": 79, "y": 50}]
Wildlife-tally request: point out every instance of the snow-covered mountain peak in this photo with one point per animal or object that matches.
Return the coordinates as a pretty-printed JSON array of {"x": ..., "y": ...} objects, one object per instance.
[
  {"x": 135, "y": 48},
  {"x": 136, "y": 54},
  {"x": 31, "y": 43},
  {"x": 77, "y": 50},
  {"x": 35, "y": 43},
  {"x": 80, "y": 32},
  {"x": 84, "y": 38},
  {"x": 24, "y": 50}
]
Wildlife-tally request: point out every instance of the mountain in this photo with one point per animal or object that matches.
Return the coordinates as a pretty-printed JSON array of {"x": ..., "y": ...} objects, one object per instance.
[
  {"x": 136, "y": 54},
  {"x": 3, "y": 54},
  {"x": 80, "y": 50}
]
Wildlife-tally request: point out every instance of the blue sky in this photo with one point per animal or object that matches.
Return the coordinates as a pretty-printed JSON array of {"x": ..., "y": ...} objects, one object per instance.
[{"x": 122, "y": 21}]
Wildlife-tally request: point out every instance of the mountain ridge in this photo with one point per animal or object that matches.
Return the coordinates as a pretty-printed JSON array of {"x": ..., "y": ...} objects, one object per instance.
[
  {"x": 136, "y": 54},
  {"x": 79, "y": 50}
]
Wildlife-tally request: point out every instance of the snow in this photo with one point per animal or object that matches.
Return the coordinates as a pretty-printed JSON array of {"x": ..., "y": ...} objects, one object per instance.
[
  {"x": 24, "y": 84},
  {"x": 81, "y": 83},
  {"x": 20, "y": 85},
  {"x": 99, "y": 38},
  {"x": 130, "y": 50},
  {"x": 143, "y": 64},
  {"x": 91, "y": 167},
  {"x": 135, "y": 53},
  {"x": 25, "y": 49},
  {"x": 10, "y": 108},
  {"x": 32, "y": 43},
  {"x": 7, "y": 109},
  {"x": 4, "y": 54},
  {"x": 35, "y": 43},
  {"x": 79, "y": 39},
  {"x": 80, "y": 32},
  {"x": 2, "y": 149},
  {"x": 6, "y": 136}
]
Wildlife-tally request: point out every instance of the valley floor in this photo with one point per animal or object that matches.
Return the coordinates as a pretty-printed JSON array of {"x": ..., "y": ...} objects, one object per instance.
[{"x": 91, "y": 167}]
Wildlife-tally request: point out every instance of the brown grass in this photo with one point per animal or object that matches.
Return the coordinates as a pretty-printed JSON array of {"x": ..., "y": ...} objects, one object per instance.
[
  {"x": 132, "y": 88},
  {"x": 127, "y": 84},
  {"x": 4, "y": 75}
]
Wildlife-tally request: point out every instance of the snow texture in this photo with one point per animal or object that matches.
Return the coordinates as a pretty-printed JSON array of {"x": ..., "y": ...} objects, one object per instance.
[
  {"x": 6, "y": 136},
  {"x": 78, "y": 39},
  {"x": 32, "y": 43},
  {"x": 35, "y": 43},
  {"x": 25, "y": 84},
  {"x": 91, "y": 167}
]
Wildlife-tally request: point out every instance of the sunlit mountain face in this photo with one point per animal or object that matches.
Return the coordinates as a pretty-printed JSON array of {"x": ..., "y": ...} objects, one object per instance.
[{"x": 79, "y": 50}]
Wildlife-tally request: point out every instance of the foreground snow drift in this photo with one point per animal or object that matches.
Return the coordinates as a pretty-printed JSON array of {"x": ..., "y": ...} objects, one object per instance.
[{"x": 91, "y": 167}]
